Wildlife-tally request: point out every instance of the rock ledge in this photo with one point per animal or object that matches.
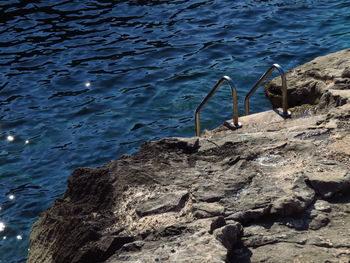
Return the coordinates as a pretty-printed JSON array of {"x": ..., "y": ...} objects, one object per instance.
[{"x": 263, "y": 193}]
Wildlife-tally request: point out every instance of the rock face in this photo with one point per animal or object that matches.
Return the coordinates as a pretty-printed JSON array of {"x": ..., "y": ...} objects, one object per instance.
[
  {"x": 263, "y": 193},
  {"x": 323, "y": 81}
]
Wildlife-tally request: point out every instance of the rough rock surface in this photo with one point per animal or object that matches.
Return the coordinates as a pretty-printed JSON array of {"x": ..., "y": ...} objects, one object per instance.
[
  {"x": 262, "y": 193},
  {"x": 324, "y": 82}
]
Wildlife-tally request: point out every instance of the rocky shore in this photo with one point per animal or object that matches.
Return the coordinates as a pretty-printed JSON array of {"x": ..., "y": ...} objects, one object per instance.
[{"x": 269, "y": 192}]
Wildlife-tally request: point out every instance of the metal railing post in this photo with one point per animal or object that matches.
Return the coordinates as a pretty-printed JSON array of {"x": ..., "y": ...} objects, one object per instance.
[
  {"x": 285, "y": 112},
  {"x": 229, "y": 81}
]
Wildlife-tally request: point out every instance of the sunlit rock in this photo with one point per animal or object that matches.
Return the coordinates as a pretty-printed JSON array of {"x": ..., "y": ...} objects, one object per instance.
[{"x": 267, "y": 192}]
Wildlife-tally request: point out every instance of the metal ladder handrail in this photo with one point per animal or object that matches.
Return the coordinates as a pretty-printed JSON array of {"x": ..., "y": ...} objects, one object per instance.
[
  {"x": 229, "y": 81},
  {"x": 285, "y": 112}
]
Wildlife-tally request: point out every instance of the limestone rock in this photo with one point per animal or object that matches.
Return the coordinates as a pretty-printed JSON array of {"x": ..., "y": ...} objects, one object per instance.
[
  {"x": 190, "y": 246},
  {"x": 322, "y": 206},
  {"x": 229, "y": 235},
  {"x": 318, "y": 222},
  {"x": 203, "y": 210},
  {"x": 217, "y": 223},
  {"x": 209, "y": 192},
  {"x": 328, "y": 180},
  {"x": 163, "y": 203},
  {"x": 187, "y": 199},
  {"x": 313, "y": 82},
  {"x": 296, "y": 201}
]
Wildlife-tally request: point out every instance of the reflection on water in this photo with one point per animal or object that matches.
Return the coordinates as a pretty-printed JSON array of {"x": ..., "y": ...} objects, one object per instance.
[
  {"x": 10, "y": 138},
  {"x": 83, "y": 82}
]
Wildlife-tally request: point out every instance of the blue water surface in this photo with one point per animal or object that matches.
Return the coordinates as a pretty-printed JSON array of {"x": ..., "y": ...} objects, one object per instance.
[{"x": 83, "y": 82}]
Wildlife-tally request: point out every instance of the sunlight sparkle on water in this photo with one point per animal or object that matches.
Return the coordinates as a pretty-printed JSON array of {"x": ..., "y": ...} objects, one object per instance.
[
  {"x": 87, "y": 84},
  {"x": 11, "y": 197},
  {"x": 19, "y": 237},
  {"x": 26, "y": 142},
  {"x": 10, "y": 138},
  {"x": 2, "y": 226}
]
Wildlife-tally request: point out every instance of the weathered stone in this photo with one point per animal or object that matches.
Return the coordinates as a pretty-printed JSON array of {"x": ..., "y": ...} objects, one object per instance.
[
  {"x": 328, "y": 180},
  {"x": 163, "y": 203},
  {"x": 101, "y": 250},
  {"x": 203, "y": 210},
  {"x": 311, "y": 83},
  {"x": 133, "y": 246},
  {"x": 229, "y": 235},
  {"x": 296, "y": 201},
  {"x": 346, "y": 73},
  {"x": 217, "y": 223},
  {"x": 191, "y": 246},
  {"x": 249, "y": 215},
  {"x": 341, "y": 145},
  {"x": 322, "y": 206},
  {"x": 318, "y": 222},
  {"x": 186, "y": 199},
  {"x": 209, "y": 193}
]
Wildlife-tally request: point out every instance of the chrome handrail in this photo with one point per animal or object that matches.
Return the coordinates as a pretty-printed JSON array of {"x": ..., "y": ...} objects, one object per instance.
[
  {"x": 235, "y": 123},
  {"x": 285, "y": 112}
]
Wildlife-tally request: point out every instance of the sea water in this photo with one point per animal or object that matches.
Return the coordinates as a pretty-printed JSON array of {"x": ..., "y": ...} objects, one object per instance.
[{"x": 83, "y": 82}]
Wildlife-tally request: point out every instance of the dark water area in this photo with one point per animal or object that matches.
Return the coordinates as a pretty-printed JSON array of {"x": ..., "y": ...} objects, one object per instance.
[{"x": 83, "y": 82}]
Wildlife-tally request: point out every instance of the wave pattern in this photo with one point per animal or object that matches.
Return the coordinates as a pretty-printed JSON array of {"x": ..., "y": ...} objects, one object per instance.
[{"x": 83, "y": 82}]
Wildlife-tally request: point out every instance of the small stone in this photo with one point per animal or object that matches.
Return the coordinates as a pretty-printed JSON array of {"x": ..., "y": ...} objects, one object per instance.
[
  {"x": 318, "y": 222},
  {"x": 229, "y": 235},
  {"x": 322, "y": 206}
]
